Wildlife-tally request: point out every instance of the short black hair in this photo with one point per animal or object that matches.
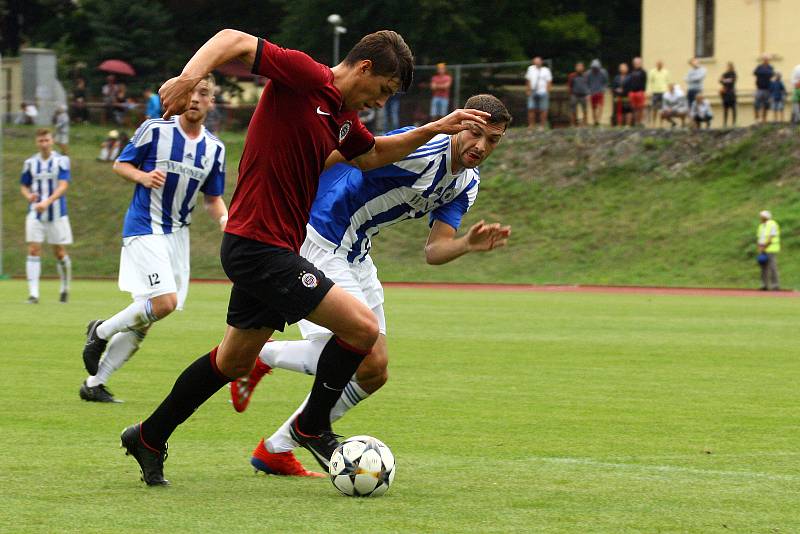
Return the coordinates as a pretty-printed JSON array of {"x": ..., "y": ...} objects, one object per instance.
[
  {"x": 389, "y": 53},
  {"x": 492, "y": 105}
]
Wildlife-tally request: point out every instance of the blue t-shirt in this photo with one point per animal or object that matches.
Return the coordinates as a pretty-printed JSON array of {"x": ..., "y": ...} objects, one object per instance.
[
  {"x": 764, "y": 74},
  {"x": 153, "y": 110},
  {"x": 777, "y": 90}
]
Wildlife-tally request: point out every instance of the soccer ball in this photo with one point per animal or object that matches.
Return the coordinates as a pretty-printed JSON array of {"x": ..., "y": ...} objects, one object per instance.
[{"x": 362, "y": 466}]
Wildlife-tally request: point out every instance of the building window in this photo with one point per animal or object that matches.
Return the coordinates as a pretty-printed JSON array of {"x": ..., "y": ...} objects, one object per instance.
[{"x": 704, "y": 28}]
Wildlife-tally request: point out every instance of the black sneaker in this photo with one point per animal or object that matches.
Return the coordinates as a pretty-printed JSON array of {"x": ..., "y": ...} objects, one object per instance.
[
  {"x": 33, "y": 300},
  {"x": 151, "y": 461},
  {"x": 64, "y": 297},
  {"x": 98, "y": 393},
  {"x": 94, "y": 347},
  {"x": 321, "y": 447}
]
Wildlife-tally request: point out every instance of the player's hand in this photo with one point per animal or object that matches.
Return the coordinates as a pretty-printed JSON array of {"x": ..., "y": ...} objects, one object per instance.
[
  {"x": 176, "y": 95},
  {"x": 457, "y": 121},
  {"x": 153, "y": 179},
  {"x": 483, "y": 237},
  {"x": 33, "y": 197},
  {"x": 40, "y": 207}
]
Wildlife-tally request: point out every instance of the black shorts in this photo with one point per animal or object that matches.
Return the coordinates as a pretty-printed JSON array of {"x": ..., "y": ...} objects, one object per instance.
[{"x": 272, "y": 286}]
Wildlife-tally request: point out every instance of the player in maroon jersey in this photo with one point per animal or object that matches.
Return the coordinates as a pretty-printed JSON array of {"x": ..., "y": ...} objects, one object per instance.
[{"x": 307, "y": 115}]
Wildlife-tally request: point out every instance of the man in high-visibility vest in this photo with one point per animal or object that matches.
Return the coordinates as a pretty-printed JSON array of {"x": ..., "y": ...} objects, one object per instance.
[{"x": 769, "y": 244}]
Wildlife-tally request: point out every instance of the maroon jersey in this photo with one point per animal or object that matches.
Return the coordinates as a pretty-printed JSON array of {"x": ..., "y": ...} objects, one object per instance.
[{"x": 297, "y": 123}]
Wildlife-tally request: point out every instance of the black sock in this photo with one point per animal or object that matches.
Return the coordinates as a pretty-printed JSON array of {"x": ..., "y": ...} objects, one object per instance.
[
  {"x": 196, "y": 384},
  {"x": 337, "y": 364}
]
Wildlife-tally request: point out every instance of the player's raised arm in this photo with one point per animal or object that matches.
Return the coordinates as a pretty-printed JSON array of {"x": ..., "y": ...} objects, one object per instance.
[
  {"x": 223, "y": 47},
  {"x": 391, "y": 148}
]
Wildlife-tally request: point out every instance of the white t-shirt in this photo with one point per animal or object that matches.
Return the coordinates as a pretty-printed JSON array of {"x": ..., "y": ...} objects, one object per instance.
[
  {"x": 796, "y": 76},
  {"x": 538, "y": 78}
]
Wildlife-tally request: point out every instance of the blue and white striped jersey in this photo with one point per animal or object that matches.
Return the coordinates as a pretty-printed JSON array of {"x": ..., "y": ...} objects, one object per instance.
[
  {"x": 352, "y": 206},
  {"x": 42, "y": 176},
  {"x": 191, "y": 165}
]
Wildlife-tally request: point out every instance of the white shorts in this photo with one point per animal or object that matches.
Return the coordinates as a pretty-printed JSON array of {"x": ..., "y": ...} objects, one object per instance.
[
  {"x": 61, "y": 138},
  {"x": 156, "y": 264},
  {"x": 358, "y": 279},
  {"x": 58, "y": 232}
]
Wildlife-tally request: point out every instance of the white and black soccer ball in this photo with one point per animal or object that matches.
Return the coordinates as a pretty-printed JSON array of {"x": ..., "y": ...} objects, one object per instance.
[{"x": 362, "y": 466}]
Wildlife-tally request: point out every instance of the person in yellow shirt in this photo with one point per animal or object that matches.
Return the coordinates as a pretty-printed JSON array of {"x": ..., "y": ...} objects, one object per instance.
[
  {"x": 657, "y": 82},
  {"x": 769, "y": 244}
]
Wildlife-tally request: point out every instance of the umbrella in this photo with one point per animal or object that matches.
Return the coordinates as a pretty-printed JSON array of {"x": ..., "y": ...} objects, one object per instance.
[{"x": 117, "y": 66}]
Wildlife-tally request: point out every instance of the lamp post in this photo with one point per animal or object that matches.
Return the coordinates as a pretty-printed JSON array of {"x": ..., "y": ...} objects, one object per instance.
[{"x": 335, "y": 20}]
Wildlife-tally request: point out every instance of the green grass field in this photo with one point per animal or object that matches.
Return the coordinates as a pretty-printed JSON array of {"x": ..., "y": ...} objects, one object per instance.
[{"x": 507, "y": 412}]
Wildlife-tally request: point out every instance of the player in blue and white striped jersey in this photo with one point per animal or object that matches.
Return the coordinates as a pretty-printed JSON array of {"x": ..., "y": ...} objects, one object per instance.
[
  {"x": 44, "y": 181},
  {"x": 171, "y": 162},
  {"x": 440, "y": 179}
]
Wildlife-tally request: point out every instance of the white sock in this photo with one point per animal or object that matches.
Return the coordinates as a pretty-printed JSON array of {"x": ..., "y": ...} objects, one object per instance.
[
  {"x": 121, "y": 347},
  {"x": 33, "y": 268},
  {"x": 135, "y": 317},
  {"x": 300, "y": 356},
  {"x": 352, "y": 395},
  {"x": 281, "y": 440},
  {"x": 64, "y": 267}
]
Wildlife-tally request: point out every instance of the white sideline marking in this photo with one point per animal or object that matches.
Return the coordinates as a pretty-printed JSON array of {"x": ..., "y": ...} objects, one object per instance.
[{"x": 664, "y": 468}]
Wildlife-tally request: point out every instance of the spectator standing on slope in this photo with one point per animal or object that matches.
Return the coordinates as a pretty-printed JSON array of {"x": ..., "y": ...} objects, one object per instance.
[
  {"x": 598, "y": 85},
  {"x": 728, "y": 94},
  {"x": 694, "y": 80},
  {"x": 657, "y": 83}
]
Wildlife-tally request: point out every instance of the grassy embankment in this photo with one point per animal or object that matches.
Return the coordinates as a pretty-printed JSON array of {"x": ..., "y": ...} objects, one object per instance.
[{"x": 588, "y": 207}]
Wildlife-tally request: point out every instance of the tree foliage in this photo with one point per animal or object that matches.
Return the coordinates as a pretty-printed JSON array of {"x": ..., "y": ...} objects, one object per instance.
[{"x": 158, "y": 36}]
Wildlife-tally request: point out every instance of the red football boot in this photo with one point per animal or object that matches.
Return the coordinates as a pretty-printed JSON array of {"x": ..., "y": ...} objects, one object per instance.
[
  {"x": 282, "y": 463},
  {"x": 242, "y": 388}
]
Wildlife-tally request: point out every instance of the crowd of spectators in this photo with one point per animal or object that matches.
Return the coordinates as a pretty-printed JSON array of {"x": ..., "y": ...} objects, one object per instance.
[
  {"x": 639, "y": 97},
  {"x": 636, "y": 96}
]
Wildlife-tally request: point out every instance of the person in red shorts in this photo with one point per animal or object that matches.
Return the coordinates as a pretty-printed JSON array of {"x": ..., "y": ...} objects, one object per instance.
[
  {"x": 307, "y": 117},
  {"x": 598, "y": 85},
  {"x": 637, "y": 83}
]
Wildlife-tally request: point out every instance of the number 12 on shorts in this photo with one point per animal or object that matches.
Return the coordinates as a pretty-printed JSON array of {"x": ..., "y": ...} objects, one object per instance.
[{"x": 153, "y": 279}]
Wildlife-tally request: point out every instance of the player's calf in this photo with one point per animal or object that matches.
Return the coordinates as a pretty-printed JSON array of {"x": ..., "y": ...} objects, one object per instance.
[
  {"x": 373, "y": 372},
  {"x": 163, "y": 305}
]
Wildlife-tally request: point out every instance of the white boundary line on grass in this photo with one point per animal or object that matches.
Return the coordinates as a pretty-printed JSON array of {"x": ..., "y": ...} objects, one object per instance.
[{"x": 663, "y": 468}]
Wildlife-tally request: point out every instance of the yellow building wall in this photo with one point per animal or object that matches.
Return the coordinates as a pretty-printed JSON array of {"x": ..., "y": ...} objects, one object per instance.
[{"x": 743, "y": 31}]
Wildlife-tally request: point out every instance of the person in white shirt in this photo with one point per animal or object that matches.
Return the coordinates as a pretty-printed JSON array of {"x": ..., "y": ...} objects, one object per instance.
[
  {"x": 539, "y": 81},
  {"x": 674, "y": 105},
  {"x": 701, "y": 112}
]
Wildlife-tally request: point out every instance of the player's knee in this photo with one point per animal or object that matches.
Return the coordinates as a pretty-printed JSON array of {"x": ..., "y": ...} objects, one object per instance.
[
  {"x": 34, "y": 249},
  {"x": 163, "y": 305},
  {"x": 235, "y": 365}
]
